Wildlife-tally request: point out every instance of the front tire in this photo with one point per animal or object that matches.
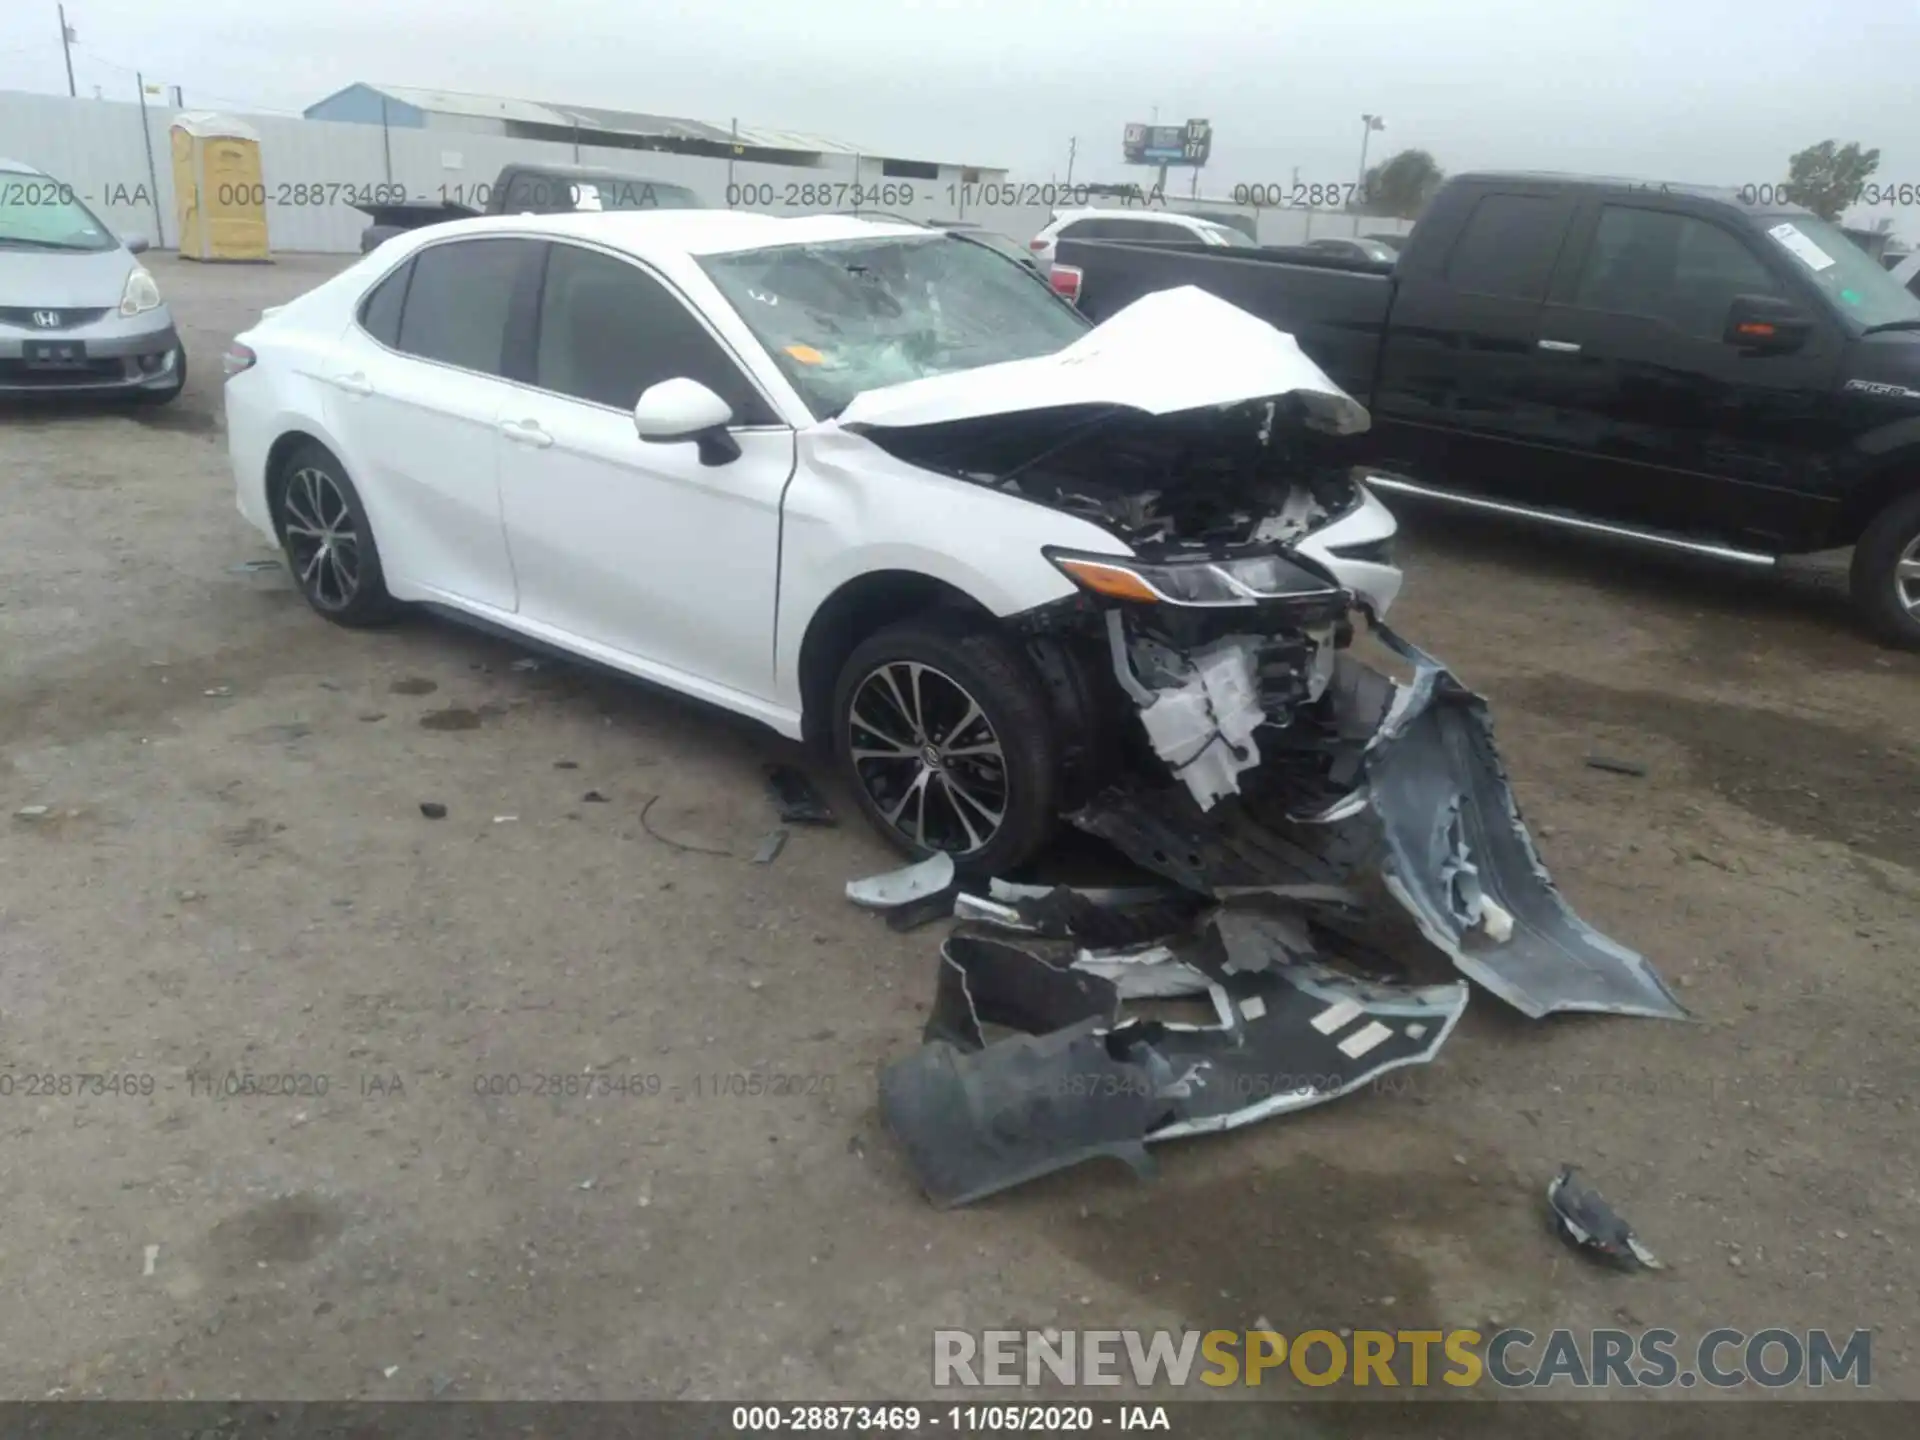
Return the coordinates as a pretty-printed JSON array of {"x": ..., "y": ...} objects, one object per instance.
[
  {"x": 1886, "y": 572},
  {"x": 329, "y": 543},
  {"x": 942, "y": 731}
]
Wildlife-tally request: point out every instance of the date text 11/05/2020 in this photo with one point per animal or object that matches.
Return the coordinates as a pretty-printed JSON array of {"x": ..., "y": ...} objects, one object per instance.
[{"x": 957, "y": 195}]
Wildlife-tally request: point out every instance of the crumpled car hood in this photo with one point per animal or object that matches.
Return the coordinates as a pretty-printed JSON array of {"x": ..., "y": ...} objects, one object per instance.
[{"x": 1169, "y": 351}]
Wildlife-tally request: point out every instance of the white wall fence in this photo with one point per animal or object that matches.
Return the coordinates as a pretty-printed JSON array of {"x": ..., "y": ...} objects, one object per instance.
[{"x": 315, "y": 169}]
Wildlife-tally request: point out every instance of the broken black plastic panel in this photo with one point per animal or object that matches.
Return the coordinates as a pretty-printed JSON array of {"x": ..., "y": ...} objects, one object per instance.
[{"x": 1080, "y": 1081}]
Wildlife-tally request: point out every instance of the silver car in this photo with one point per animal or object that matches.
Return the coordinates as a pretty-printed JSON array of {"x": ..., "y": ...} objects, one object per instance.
[{"x": 78, "y": 314}]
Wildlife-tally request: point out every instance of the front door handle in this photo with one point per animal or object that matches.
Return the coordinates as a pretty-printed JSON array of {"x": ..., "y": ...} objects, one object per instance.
[
  {"x": 526, "y": 432},
  {"x": 354, "y": 384},
  {"x": 1561, "y": 347}
]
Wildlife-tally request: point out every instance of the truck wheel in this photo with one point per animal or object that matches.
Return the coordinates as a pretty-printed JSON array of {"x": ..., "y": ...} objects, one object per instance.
[
  {"x": 1886, "y": 572},
  {"x": 942, "y": 731}
]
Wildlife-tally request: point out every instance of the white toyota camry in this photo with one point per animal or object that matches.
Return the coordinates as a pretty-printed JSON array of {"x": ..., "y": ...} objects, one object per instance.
[{"x": 871, "y": 484}]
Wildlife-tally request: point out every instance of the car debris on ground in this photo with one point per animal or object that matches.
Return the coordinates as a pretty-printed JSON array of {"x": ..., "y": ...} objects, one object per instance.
[
  {"x": 795, "y": 797},
  {"x": 1043, "y": 1050},
  {"x": 1585, "y": 1221}
]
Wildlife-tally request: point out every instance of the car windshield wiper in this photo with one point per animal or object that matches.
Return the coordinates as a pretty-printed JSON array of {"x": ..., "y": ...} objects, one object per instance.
[
  {"x": 1892, "y": 325},
  {"x": 33, "y": 244}
]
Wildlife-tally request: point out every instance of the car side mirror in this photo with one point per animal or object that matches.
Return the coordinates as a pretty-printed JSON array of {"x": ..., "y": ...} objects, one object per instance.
[
  {"x": 136, "y": 244},
  {"x": 680, "y": 410},
  {"x": 1764, "y": 325}
]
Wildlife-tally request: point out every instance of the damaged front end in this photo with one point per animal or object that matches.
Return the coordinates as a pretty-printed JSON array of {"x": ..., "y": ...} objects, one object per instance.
[{"x": 1216, "y": 725}]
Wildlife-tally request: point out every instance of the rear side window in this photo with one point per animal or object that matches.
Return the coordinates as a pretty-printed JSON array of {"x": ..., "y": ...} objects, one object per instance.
[
  {"x": 380, "y": 311},
  {"x": 1508, "y": 247},
  {"x": 456, "y": 305},
  {"x": 608, "y": 330}
]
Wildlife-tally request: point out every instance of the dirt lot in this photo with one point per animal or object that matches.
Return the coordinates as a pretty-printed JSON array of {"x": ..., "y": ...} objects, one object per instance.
[{"x": 235, "y": 875}]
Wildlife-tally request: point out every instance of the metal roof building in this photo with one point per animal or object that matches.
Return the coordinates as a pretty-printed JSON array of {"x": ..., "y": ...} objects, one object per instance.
[{"x": 409, "y": 107}]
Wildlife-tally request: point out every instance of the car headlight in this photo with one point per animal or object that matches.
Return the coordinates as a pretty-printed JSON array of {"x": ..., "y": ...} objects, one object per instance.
[
  {"x": 1247, "y": 580},
  {"x": 141, "y": 293}
]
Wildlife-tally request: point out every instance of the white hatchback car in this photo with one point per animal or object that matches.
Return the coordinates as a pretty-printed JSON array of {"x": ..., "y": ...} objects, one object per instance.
[
  {"x": 1131, "y": 225},
  {"x": 864, "y": 482}
]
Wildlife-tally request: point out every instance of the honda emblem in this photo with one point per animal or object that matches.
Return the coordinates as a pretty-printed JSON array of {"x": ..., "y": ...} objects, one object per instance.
[{"x": 47, "y": 319}]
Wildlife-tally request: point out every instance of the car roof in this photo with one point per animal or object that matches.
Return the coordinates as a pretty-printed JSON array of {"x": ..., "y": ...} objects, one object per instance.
[
  {"x": 590, "y": 172},
  {"x": 1128, "y": 212},
  {"x": 1633, "y": 185},
  {"x": 693, "y": 232},
  {"x": 18, "y": 167}
]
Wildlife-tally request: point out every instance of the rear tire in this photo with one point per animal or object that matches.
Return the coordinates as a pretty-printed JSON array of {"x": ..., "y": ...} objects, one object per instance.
[
  {"x": 1886, "y": 572},
  {"x": 942, "y": 731},
  {"x": 328, "y": 541}
]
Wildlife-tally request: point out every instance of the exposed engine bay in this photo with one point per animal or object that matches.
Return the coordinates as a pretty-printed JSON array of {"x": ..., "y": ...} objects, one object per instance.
[{"x": 1253, "y": 546}]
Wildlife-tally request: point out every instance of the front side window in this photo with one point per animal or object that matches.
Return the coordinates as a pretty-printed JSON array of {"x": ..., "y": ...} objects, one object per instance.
[
  {"x": 38, "y": 213},
  {"x": 1669, "y": 267},
  {"x": 1853, "y": 281},
  {"x": 457, "y": 302},
  {"x": 848, "y": 316},
  {"x": 609, "y": 330}
]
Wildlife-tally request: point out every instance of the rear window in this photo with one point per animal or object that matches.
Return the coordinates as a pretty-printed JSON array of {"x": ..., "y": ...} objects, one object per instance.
[
  {"x": 456, "y": 305},
  {"x": 1508, "y": 247}
]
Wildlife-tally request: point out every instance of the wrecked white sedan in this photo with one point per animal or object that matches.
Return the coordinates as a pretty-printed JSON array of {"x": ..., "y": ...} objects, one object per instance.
[{"x": 877, "y": 486}]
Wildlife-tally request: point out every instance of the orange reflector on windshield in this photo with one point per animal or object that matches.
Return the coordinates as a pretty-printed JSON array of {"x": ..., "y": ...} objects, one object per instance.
[
  {"x": 806, "y": 355},
  {"x": 1109, "y": 580}
]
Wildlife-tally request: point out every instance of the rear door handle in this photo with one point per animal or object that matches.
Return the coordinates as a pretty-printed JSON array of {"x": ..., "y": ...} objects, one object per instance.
[
  {"x": 526, "y": 432},
  {"x": 1563, "y": 347},
  {"x": 354, "y": 384}
]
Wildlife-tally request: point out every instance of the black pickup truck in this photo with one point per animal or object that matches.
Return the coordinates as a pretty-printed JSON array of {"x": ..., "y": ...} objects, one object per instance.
[
  {"x": 524, "y": 189},
  {"x": 1660, "y": 362}
]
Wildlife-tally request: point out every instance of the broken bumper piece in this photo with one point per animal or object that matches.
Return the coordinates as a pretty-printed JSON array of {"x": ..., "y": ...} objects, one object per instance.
[
  {"x": 1405, "y": 779},
  {"x": 1083, "y": 1082}
]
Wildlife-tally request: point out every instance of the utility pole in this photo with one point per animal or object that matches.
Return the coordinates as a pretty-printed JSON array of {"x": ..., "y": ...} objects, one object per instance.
[
  {"x": 1073, "y": 146},
  {"x": 1368, "y": 124},
  {"x": 67, "y": 37},
  {"x": 153, "y": 175}
]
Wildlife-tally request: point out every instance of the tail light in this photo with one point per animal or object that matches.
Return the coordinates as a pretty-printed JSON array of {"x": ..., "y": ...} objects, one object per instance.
[
  {"x": 1039, "y": 242},
  {"x": 238, "y": 357},
  {"x": 1065, "y": 280}
]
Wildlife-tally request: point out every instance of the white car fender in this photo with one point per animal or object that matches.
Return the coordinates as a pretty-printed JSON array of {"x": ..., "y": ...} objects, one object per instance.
[{"x": 852, "y": 509}]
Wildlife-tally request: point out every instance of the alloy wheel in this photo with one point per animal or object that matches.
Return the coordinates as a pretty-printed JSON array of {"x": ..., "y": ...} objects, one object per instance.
[
  {"x": 321, "y": 538},
  {"x": 1906, "y": 577},
  {"x": 928, "y": 757}
]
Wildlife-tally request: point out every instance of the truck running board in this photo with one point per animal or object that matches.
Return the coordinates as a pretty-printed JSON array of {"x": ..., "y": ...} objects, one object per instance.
[{"x": 1394, "y": 485}]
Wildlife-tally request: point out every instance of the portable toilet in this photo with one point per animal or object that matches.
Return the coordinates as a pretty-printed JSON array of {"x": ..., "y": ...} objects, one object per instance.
[{"x": 218, "y": 194}]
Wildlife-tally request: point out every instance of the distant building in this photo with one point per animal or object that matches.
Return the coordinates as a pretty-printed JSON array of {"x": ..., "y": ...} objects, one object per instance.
[{"x": 408, "y": 108}]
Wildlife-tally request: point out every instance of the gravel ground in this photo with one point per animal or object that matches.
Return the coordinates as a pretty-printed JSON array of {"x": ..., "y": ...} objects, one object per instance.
[{"x": 235, "y": 875}]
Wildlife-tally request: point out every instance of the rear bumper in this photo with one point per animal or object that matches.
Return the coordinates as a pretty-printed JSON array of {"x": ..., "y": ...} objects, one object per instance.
[{"x": 122, "y": 356}]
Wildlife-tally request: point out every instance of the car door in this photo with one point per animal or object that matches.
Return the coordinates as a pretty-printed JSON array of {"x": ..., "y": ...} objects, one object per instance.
[
  {"x": 416, "y": 390},
  {"x": 1673, "y": 426},
  {"x": 634, "y": 545},
  {"x": 1455, "y": 400}
]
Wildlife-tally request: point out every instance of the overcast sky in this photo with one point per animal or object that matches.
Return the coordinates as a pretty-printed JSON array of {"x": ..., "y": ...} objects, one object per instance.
[{"x": 1715, "y": 91}]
